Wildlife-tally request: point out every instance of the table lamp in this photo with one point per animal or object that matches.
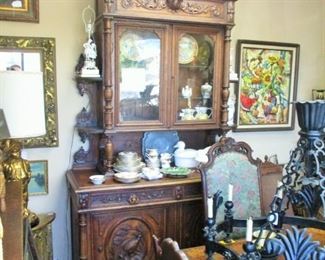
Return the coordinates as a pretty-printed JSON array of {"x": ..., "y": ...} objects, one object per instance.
[{"x": 22, "y": 115}]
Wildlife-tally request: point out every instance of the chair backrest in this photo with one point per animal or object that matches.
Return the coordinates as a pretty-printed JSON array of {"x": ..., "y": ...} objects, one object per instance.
[
  {"x": 169, "y": 250},
  {"x": 231, "y": 162},
  {"x": 271, "y": 173}
]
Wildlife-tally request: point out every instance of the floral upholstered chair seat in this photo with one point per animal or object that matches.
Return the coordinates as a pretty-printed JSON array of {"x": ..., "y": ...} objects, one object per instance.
[{"x": 231, "y": 162}]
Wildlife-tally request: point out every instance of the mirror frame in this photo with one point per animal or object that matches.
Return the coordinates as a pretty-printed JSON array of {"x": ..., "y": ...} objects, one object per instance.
[{"x": 46, "y": 47}]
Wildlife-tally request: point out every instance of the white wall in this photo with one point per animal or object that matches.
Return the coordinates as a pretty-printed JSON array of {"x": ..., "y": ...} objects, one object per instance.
[
  {"x": 290, "y": 21},
  {"x": 295, "y": 21}
]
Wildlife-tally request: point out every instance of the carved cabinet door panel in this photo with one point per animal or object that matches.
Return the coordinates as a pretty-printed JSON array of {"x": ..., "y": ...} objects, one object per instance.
[
  {"x": 127, "y": 234},
  {"x": 192, "y": 219}
]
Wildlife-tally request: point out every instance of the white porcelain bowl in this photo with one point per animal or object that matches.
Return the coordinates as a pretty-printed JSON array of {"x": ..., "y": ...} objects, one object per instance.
[
  {"x": 127, "y": 177},
  {"x": 97, "y": 179}
]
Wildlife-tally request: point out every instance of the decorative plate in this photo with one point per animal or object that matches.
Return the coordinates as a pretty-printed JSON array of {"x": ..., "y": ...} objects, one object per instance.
[
  {"x": 163, "y": 141},
  {"x": 130, "y": 46},
  {"x": 188, "y": 49},
  {"x": 204, "y": 53},
  {"x": 176, "y": 172}
]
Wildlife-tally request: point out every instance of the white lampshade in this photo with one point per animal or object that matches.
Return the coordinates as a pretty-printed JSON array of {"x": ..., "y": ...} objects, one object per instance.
[{"x": 22, "y": 100}]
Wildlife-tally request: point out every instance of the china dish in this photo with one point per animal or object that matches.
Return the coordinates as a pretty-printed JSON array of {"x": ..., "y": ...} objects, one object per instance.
[
  {"x": 164, "y": 141},
  {"x": 127, "y": 177},
  {"x": 97, "y": 179},
  {"x": 128, "y": 168},
  {"x": 188, "y": 49},
  {"x": 176, "y": 172}
]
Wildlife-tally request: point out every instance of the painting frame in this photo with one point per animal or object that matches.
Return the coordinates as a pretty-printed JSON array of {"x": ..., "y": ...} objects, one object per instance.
[
  {"x": 20, "y": 10},
  {"x": 38, "y": 184},
  {"x": 267, "y": 86}
]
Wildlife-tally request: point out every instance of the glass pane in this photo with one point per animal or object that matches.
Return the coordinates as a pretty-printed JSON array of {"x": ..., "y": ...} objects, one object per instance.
[
  {"x": 139, "y": 75},
  {"x": 195, "y": 66}
]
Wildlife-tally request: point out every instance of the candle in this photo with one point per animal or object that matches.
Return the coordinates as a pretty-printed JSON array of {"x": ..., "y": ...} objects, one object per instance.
[
  {"x": 280, "y": 191},
  {"x": 230, "y": 188},
  {"x": 210, "y": 207},
  {"x": 249, "y": 229}
]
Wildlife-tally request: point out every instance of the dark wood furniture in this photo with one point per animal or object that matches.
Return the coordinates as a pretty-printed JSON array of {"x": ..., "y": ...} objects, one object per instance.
[
  {"x": 115, "y": 220},
  {"x": 149, "y": 51},
  {"x": 150, "y": 54},
  {"x": 232, "y": 163}
]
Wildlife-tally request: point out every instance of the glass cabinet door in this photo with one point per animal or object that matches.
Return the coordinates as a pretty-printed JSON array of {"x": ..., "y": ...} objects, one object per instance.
[
  {"x": 139, "y": 75},
  {"x": 195, "y": 70}
]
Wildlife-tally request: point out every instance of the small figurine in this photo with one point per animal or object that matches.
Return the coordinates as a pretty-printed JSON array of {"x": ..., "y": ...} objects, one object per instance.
[
  {"x": 89, "y": 68},
  {"x": 187, "y": 94}
]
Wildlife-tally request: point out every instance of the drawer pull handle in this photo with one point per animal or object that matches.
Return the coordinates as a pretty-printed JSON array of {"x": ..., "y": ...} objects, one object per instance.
[{"x": 133, "y": 199}]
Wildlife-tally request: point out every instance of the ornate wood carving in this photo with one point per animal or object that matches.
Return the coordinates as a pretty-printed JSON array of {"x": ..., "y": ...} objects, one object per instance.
[
  {"x": 87, "y": 118},
  {"x": 86, "y": 157},
  {"x": 83, "y": 236},
  {"x": 131, "y": 238},
  {"x": 187, "y": 7},
  {"x": 192, "y": 219},
  {"x": 136, "y": 197},
  {"x": 108, "y": 88},
  {"x": 83, "y": 200}
]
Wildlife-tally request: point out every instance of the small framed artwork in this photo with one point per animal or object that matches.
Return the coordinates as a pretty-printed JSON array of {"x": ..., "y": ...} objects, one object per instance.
[
  {"x": 19, "y": 10},
  {"x": 38, "y": 184},
  {"x": 318, "y": 94},
  {"x": 267, "y": 85}
]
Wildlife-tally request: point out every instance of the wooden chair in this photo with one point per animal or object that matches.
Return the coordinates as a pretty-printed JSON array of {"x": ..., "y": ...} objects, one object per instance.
[
  {"x": 169, "y": 250},
  {"x": 271, "y": 173},
  {"x": 231, "y": 162}
]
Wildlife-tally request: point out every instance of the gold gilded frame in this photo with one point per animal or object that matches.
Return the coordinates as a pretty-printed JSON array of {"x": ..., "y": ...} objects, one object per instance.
[{"x": 46, "y": 47}]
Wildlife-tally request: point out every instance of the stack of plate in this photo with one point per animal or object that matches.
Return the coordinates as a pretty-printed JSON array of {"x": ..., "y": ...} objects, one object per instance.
[
  {"x": 127, "y": 177},
  {"x": 128, "y": 162}
]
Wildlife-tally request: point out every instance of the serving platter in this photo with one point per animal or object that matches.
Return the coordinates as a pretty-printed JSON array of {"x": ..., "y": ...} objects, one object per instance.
[
  {"x": 176, "y": 172},
  {"x": 163, "y": 141}
]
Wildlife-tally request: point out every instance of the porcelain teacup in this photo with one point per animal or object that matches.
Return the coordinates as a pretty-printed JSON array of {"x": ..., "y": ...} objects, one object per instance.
[
  {"x": 187, "y": 114},
  {"x": 203, "y": 113}
]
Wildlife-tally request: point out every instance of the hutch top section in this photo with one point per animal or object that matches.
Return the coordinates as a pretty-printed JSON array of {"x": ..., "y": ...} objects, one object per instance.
[{"x": 196, "y": 11}]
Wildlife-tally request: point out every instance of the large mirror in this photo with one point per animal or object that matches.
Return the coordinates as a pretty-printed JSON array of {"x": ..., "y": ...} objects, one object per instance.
[{"x": 36, "y": 55}]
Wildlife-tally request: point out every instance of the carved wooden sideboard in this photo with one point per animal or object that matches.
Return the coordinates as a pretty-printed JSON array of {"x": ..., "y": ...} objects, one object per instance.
[
  {"x": 161, "y": 63},
  {"x": 117, "y": 221}
]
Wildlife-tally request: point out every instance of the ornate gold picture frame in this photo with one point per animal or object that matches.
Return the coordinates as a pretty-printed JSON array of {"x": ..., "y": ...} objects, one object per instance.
[
  {"x": 45, "y": 47},
  {"x": 19, "y": 10}
]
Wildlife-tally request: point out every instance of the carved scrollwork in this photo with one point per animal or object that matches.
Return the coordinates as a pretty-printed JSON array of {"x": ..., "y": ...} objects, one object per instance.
[
  {"x": 133, "y": 200},
  {"x": 174, "y": 4},
  {"x": 83, "y": 200},
  {"x": 188, "y": 7}
]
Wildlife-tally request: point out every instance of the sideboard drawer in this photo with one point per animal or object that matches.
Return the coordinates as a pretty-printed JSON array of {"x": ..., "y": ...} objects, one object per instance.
[{"x": 144, "y": 196}]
